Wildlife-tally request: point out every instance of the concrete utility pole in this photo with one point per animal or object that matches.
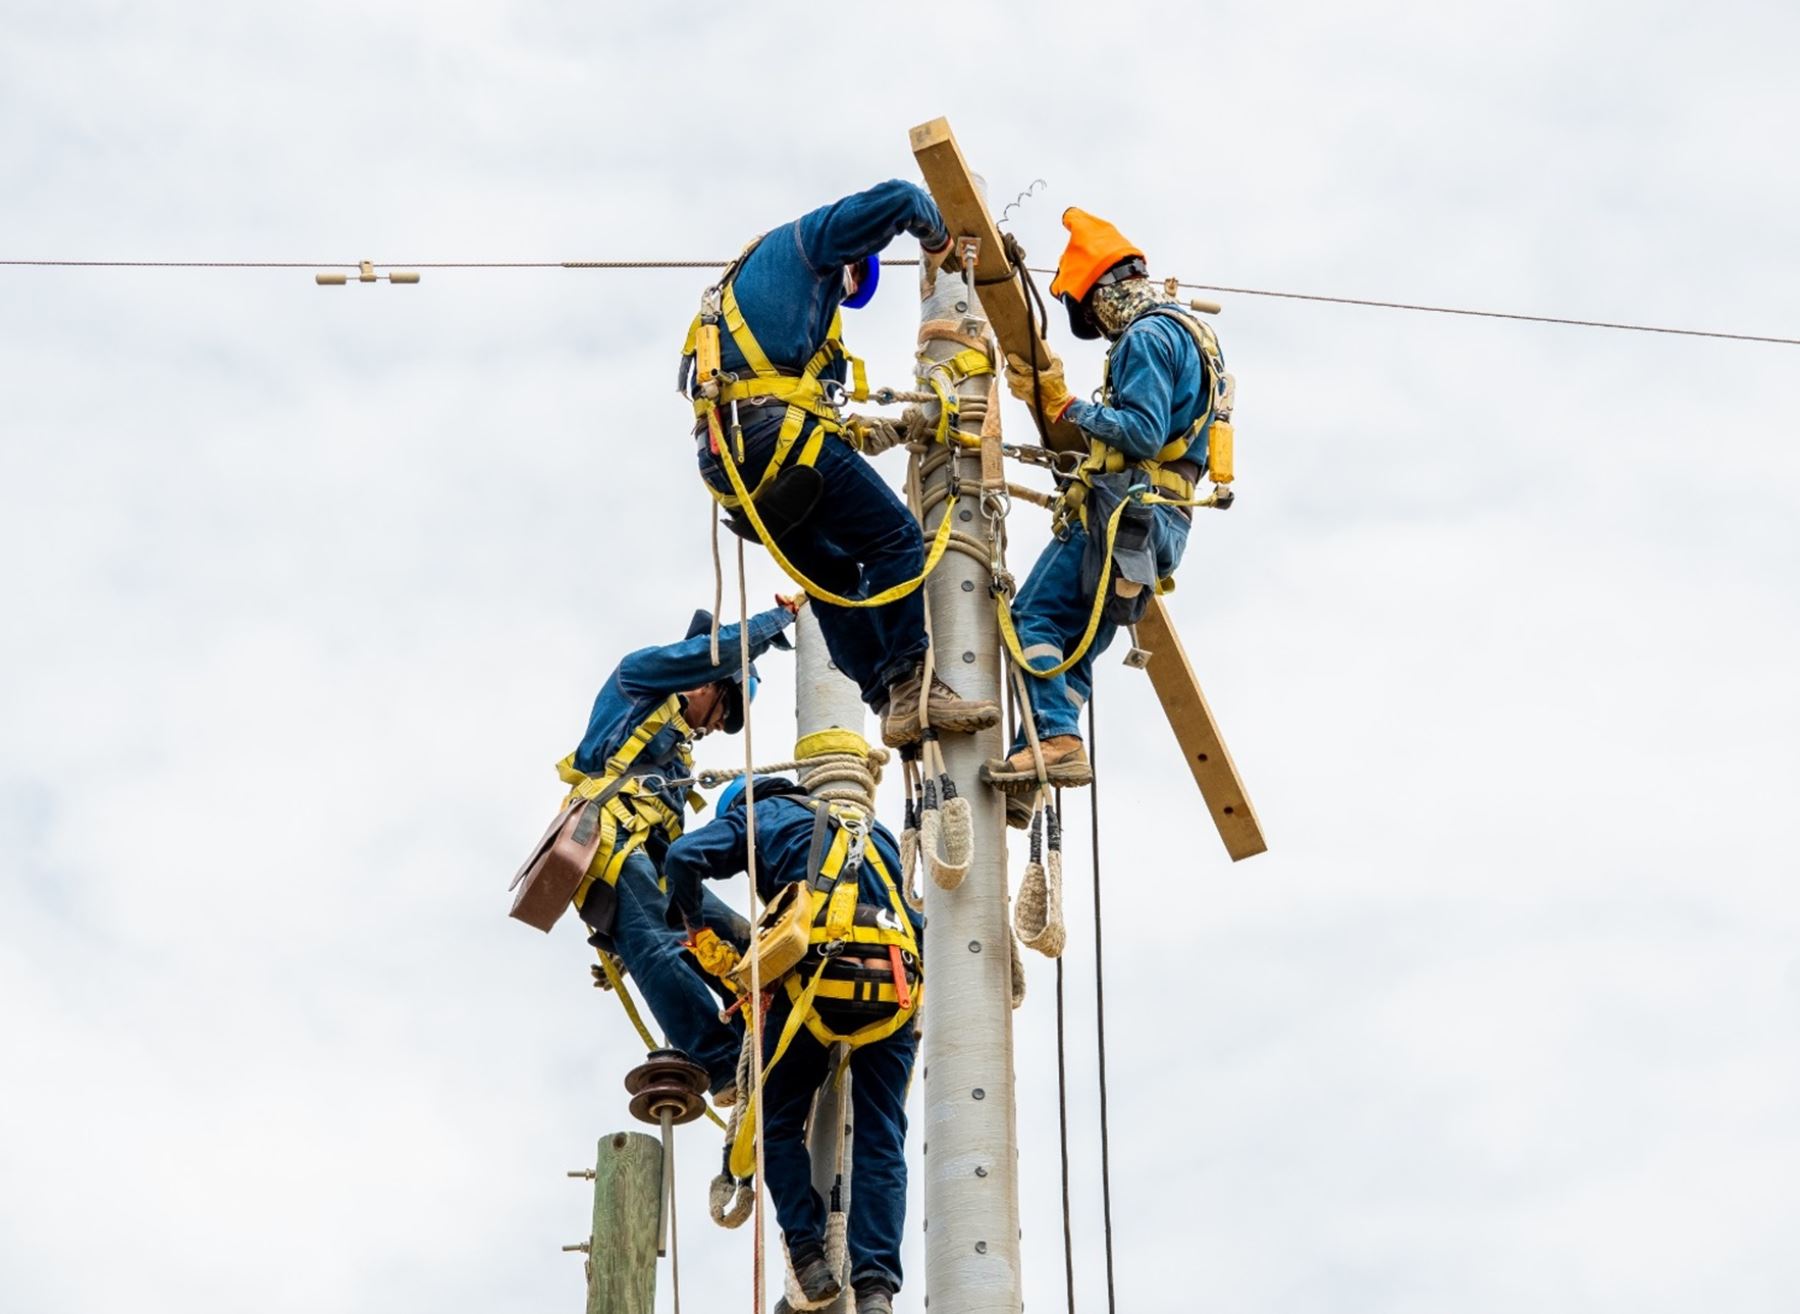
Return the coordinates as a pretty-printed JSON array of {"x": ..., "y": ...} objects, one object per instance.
[
  {"x": 970, "y": 1135},
  {"x": 826, "y": 699}
]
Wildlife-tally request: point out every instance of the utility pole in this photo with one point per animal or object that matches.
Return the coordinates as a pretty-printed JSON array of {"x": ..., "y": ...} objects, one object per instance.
[
  {"x": 826, "y": 699},
  {"x": 628, "y": 1197},
  {"x": 970, "y": 1129}
]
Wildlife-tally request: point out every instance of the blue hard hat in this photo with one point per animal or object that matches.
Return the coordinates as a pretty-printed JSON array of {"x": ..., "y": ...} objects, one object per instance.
[
  {"x": 868, "y": 277},
  {"x": 766, "y": 787}
]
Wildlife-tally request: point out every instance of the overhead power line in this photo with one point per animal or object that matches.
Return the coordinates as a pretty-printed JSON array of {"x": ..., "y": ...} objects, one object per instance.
[{"x": 1416, "y": 307}]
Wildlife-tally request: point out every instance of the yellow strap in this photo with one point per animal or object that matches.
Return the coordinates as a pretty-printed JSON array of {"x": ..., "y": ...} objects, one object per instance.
[
  {"x": 834, "y": 740},
  {"x": 747, "y": 505},
  {"x": 739, "y": 328},
  {"x": 743, "y": 1157},
  {"x": 617, "y": 982},
  {"x": 1011, "y": 635}
]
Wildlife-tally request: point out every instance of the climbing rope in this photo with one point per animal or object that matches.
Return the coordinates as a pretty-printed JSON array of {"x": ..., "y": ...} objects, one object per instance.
[
  {"x": 1100, "y": 1008},
  {"x": 753, "y": 1025},
  {"x": 837, "y": 765}
]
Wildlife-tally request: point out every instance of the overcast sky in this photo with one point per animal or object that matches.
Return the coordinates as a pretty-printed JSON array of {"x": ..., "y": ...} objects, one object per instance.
[{"x": 305, "y": 589}]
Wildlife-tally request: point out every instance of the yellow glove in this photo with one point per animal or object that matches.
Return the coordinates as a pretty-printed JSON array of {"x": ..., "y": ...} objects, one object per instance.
[
  {"x": 1043, "y": 386},
  {"x": 717, "y": 957}
]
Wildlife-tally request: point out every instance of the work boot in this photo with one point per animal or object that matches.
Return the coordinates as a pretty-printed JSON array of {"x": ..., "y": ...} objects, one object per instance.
[
  {"x": 818, "y": 1284},
  {"x": 1065, "y": 763},
  {"x": 875, "y": 1298},
  {"x": 948, "y": 710},
  {"x": 1018, "y": 811}
]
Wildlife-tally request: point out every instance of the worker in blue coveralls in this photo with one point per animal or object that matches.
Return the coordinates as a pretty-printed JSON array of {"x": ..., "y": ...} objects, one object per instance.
[
  {"x": 781, "y": 362},
  {"x": 1164, "y": 385},
  {"x": 637, "y": 754},
  {"x": 797, "y": 840}
]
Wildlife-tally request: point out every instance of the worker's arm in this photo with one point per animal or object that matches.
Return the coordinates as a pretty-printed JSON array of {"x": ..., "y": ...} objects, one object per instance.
[
  {"x": 1145, "y": 364},
  {"x": 678, "y": 667},
  {"x": 716, "y": 852},
  {"x": 845, "y": 231}
]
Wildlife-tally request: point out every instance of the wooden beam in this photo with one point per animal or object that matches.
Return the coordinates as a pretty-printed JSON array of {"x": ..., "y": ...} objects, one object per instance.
[
  {"x": 952, "y": 186},
  {"x": 1201, "y": 744}
]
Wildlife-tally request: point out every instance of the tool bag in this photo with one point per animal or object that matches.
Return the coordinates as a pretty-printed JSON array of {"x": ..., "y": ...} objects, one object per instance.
[{"x": 547, "y": 881}]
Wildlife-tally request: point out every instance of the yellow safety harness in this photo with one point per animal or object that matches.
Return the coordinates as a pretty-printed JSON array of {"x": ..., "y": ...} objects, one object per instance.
[
  {"x": 1169, "y": 488},
  {"x": 837, "y": 927},
  {"x": 629, "y": 810},
  {"x": 1217, "y": 417},
  {"x": 809, "y": 399}
]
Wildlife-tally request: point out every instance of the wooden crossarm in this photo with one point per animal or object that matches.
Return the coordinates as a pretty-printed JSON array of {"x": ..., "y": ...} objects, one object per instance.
[{"x": 1003, "y": 297}]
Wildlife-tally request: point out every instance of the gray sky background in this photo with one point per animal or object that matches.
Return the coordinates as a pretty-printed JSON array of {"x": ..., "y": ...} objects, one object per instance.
[{"x": 305, "y": 590}]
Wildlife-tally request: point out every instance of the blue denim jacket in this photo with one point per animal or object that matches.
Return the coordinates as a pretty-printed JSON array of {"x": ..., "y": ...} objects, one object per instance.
[
  {"x": 640, "y": 684},
  {"x": 784, "y": 828},
  {"x": 1159, "y": 389},
  {"x": 790, "y": 286}
]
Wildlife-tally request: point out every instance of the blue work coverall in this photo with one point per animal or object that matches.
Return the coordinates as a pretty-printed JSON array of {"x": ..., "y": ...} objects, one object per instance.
[
  {"x": 860, "y": 539},
  {"x": 1158, "y": 389},
  {"x": 880, "y": 1070},
  {"x": 641, "y": 934}
]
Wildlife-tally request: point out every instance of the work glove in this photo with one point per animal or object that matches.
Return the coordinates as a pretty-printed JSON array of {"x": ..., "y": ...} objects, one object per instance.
[
  {"x": 601, "y": 980},
  {"x": 791, "y": 601},
  {"x": 873, "y": 434},
  {"x": 713, "y": 954},
  {"x": 941, "y": 258},
  {"x": 915, "y": 425},
  {"x": 1043, "y": 387}
]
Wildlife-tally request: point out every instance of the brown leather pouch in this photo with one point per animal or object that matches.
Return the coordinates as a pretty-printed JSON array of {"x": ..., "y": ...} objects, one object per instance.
[{"x": 550, "y": 876}]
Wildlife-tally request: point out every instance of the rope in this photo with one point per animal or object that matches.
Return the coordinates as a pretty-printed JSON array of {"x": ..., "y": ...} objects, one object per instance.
[
  {"x": 1062, "y": 1125},
  {"x": 847, "y": 775},
  {"x": 1100, "y": 1009},
  {"x": 1415, "y": 307},
  {"x": 755, "y": 1025}
]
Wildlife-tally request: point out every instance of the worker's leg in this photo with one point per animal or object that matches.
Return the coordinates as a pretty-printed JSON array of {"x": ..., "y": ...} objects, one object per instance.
[
  {"x": 860, "y": 520},
  {"x": 787, "y": 1100},
  {"x": 1051, "y": 615},
  {"x": 672, "y": 986},
  {"x": 859, "y": 540},
  {"x": 880, "y": 1073},
  {"x": 1169, "y": 530}
]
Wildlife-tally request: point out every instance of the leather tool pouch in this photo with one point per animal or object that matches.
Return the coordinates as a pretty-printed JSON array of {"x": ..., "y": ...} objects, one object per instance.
[{"x": 550, "y": 876}]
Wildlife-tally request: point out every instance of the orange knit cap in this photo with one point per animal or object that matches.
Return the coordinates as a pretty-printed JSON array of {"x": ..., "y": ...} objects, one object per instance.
[{"x": 1095, "y": 246}]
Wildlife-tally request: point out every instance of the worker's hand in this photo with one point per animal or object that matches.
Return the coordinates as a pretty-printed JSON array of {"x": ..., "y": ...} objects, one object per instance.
[
  {"x": 713, "y": 954},
  {"x": 1041, "y": 387},
  {"x": 915, "y": 425},
  {"x": 873, "y": 434},
  {"x": 934, "y": 261},
  {"x": 601, "y": 980},
  {"x": 791, "y": 601}
]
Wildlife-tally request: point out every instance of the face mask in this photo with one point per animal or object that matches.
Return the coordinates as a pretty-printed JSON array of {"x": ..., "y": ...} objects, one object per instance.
[{"x": 1117, "y": 304}]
